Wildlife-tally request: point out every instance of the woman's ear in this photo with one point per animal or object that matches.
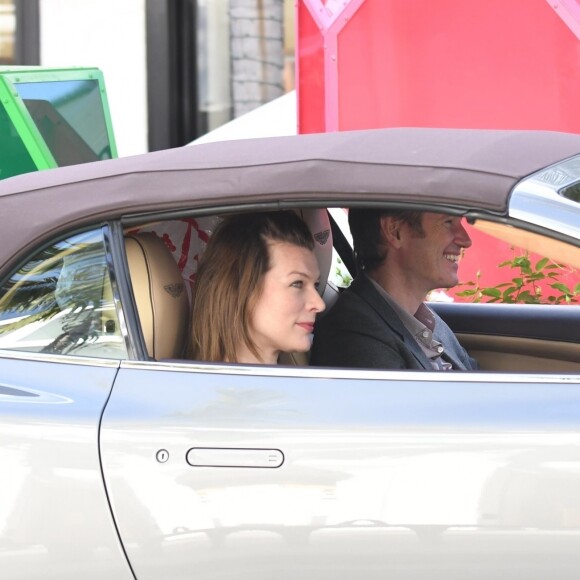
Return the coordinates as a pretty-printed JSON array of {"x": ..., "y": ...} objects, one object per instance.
[{"x": 391, "y": 231}]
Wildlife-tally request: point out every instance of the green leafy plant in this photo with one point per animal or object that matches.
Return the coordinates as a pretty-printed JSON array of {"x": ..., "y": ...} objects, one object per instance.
[
  {"x": 529, "y": 286},
  {"x": 341, "y": 276}
]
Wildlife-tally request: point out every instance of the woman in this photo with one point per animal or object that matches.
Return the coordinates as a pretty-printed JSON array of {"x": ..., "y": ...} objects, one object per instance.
[{"x": 255, "y": 292}]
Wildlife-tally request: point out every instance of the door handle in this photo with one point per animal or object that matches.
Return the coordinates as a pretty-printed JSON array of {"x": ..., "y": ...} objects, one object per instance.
[{"x": 234, "y": 457}]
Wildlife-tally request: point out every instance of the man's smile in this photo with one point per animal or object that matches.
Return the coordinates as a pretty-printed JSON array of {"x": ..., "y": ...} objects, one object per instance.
[{"x": 452, "y": 258}]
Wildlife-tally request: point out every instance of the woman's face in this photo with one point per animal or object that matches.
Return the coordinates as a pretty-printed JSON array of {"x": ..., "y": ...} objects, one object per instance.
[{"x": 283, "y": 317}]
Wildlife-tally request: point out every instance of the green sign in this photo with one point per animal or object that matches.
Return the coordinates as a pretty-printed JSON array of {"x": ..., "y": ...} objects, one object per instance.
[{"x": 51, "y": 118}]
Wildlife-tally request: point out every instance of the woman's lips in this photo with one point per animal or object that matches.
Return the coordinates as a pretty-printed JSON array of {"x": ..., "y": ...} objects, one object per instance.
[{"x": 308, "y": 326}]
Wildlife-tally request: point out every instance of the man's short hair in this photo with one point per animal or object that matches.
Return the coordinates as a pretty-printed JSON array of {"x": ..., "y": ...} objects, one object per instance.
[{"x": 370, "y": 250}]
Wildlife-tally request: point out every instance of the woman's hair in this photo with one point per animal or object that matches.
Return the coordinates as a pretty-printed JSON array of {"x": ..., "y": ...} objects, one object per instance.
[
  {"x": 230, "y": 277},
  {"x": 365, "y": 226}
]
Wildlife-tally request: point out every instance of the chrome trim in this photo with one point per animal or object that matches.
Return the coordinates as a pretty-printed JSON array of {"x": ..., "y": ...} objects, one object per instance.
[
  {"x": 60, "y": 358},
  {"x": 536, "y": 199},
  {"x": 33, "y": 396},
  {"x": 107, "y": 242},
  {"x": 560, "y": 175},
  {"x": 337, "y": 374}
]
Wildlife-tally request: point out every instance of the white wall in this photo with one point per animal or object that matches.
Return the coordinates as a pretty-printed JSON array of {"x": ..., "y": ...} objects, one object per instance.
[{"x": 111, "y": 35}]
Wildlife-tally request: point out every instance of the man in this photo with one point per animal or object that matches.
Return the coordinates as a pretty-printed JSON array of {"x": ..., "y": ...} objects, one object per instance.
[{"x": 381, "y": 320}]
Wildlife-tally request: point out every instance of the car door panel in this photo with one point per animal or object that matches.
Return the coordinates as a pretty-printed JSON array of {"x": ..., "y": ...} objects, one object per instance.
[
  {"x": 503, "y": 353},
  {"x": 518, "y": 337},
  {"x": 55, "y": 520},
  {"x": 538, "y": 321},
  {"x": 339, "y": 474}
]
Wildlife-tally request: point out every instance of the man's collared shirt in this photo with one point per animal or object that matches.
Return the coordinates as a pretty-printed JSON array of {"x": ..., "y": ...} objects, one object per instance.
[{"x": 421, "y": 327}]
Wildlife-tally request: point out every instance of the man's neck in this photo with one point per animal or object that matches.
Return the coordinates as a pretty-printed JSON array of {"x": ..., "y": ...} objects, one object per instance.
[{"x": 403, "y": 294}]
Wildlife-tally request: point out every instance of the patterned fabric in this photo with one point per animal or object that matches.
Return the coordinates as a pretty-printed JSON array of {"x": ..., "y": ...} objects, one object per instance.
[{"x": 186, "y": 239}]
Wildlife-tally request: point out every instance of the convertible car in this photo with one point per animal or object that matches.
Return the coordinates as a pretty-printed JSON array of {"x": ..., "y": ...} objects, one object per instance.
[{"x": 123, "y": 459}]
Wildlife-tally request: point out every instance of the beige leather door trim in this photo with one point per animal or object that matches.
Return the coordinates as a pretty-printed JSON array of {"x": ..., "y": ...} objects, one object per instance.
[{"x": 500, "y": 353}]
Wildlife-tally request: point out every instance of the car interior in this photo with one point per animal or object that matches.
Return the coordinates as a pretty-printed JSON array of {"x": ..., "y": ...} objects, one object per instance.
[
  {"x": 162, "y": 289},
  {"x": 160, "y": 296},
  {"x": 536, "y": 338}
]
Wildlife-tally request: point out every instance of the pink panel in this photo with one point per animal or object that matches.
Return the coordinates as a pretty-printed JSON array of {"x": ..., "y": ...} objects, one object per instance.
[
  {"x": 330, "y": 18},
  {"x": 310, "y": 87},
  {"x": 447, "y": 63},
  {"x": 437, "y": 66}
]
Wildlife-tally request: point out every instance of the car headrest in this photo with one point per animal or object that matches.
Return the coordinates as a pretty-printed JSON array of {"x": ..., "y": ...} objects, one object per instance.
[{"x": 160, "y": 295}]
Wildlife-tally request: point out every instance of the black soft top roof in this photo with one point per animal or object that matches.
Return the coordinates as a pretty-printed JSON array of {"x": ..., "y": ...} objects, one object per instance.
[{"x": 466, "y": 169}]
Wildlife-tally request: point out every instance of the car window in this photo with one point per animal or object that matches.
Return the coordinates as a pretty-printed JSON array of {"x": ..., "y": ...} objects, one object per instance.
[
  {"x": 61, "y": 302},
  {"x": 504, "y": 265},
  {"x": 515, "y": 266},
  {"x": 339, "y": 274}
]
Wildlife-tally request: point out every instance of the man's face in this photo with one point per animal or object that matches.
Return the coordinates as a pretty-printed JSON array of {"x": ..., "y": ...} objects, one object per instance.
[{"x": 431, "y": 260}]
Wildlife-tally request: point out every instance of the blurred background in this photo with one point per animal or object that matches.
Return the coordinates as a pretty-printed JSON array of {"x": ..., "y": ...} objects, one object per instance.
[{"x": 174, "y": 69}]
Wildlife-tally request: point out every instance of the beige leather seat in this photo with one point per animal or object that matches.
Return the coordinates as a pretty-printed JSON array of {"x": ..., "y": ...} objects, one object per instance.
[{"x": 160, "y": 295}]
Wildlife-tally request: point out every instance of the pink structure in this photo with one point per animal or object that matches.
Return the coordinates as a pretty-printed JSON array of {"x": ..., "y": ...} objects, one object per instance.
[
  {"x": 330, "y": 18},
  {"x": 450, "y": 63},
  {"x": 502, "y": 64}
]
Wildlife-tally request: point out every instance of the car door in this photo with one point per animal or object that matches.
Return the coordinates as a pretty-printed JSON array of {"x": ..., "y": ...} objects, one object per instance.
[
  {"x": 517, "y": 337},
  {"x": 60, "y": 347},
  {"x": 223, "y": 471},
  {"x": 501, "y": 327}
]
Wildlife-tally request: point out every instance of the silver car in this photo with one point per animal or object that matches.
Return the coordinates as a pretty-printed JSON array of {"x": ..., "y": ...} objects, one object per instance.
[{"x": 122, "y": 459}]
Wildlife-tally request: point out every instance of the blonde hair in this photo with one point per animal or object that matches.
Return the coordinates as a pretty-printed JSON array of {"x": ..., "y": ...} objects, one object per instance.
[{"x": 229, "y": 280}]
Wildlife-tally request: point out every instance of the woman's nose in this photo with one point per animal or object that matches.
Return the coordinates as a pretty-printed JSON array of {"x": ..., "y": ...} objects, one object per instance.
[{"x": 316, "y": 302}]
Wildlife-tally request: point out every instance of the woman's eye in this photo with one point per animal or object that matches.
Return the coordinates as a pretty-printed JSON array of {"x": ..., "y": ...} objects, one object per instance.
[{"x": 297, "y": 284}]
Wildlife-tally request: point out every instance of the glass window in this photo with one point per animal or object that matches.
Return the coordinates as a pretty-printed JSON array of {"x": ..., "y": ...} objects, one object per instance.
[
  {"x": 14, "y": 157},
  {"x": 257, "y": 53},
  {"x": 7, "y": 31},
  {"x": 61, "y": 302},
  {"x": 245, "y": 56},
  {"x": 70, "y": 118},
  {"x": 289, "y": 46},
  {"x": 339, "y": 274},
  {"x": 213, "y": 62},
  {"x": 504, "y": 265},
  {"x": 509, "y": 265}
]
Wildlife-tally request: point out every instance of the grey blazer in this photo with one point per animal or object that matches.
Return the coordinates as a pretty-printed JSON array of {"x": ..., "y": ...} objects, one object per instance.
[{"x": 362, "y": 330}]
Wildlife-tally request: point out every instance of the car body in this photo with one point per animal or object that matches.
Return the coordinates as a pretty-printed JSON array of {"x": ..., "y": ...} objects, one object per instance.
[{"x": 123, "y": 459}]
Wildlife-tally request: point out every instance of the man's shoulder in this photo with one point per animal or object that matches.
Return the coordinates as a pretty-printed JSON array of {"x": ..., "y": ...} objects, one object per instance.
[
  {"x": 359, "y": 332},
  {"x": 354, "y": 297},
  {"x": 358, "y": 307}
]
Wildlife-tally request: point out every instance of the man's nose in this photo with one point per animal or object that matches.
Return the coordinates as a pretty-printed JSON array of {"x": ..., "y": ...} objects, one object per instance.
[{"x": 462, "y": 237}]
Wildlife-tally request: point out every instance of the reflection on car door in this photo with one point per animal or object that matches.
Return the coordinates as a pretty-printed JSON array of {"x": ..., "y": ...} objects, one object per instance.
[
  {"x": 231, "y": 472},
  {"x": 55, "y": 520}
]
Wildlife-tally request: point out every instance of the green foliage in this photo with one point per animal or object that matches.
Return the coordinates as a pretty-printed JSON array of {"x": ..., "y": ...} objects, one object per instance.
[
  {"x": 525, "y": 287},
  {"x": 341, "y": 276}
]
